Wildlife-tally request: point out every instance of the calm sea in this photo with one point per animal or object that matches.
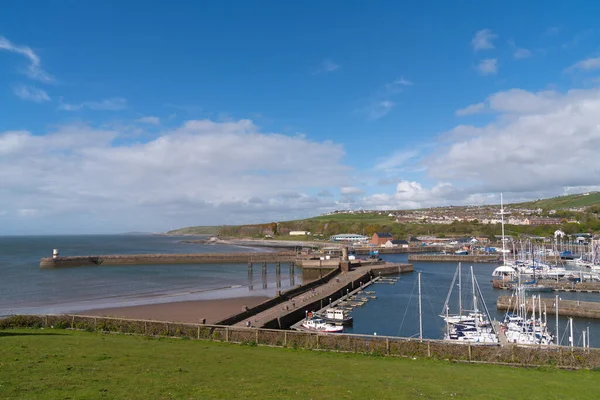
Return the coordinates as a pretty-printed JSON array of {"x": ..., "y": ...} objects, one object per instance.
[
  {"x": 25, "y": 288},
  {"x": 395, "y": 310}
]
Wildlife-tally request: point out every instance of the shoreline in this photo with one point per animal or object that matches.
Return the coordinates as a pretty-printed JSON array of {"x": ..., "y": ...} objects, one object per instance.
[{"x": 191, "y": 311}]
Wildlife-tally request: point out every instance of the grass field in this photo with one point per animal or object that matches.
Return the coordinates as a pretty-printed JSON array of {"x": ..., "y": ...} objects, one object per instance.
[{"x": 59, "y": 364}]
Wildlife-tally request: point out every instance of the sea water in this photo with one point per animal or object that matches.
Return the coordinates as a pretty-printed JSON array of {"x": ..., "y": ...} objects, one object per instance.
[
  {"x": 26, "y": 288},
  {"x": 394, "y": 312}
]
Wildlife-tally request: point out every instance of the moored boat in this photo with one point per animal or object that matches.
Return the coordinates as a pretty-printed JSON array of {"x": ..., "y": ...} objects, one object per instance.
[{"x": 318, "y": 325}]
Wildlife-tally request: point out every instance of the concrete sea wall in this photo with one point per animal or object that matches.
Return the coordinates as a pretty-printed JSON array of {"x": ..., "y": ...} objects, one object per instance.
[
  {"x": 471, "y": 258},
  {"x": 138, "y": 259},
  {"x": 568, "y": 308}
]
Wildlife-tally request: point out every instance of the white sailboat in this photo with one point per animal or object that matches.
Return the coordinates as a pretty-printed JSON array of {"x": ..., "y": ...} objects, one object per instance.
[{"x": 475, "y": 327}]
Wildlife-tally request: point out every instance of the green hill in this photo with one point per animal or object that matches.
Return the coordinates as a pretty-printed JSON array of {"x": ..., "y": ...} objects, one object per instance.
[
  {"x": 195, "y": 230},
  {"x": 563, "y": 202}
]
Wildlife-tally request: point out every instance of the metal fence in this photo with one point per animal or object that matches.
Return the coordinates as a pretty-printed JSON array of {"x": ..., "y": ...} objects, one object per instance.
[{"x": 557, "y": 356}]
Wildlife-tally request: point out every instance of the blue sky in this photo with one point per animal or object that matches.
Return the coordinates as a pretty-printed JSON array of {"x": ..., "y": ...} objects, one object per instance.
[{"x": 124, "y": 116}]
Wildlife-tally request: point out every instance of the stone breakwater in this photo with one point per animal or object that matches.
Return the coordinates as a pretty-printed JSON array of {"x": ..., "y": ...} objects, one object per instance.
[
  {"x": 141, "y": 259},
  {"x": 474, "y": 258},
  {"x": 568, "y": 308}
]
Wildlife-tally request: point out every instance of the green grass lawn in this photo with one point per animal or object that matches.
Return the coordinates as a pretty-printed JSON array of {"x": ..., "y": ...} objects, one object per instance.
[{"x": 59, "y": 364}]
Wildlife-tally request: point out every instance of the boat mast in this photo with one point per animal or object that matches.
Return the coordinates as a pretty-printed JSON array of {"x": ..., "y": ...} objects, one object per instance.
[
  {"x": 588, "y": 336},
  {"x": 571, "y": 331},
  {"x": 474, "y": 296},
  {"x": 556, "y": 314},
  {"x": 459, "y": 291},
  {"x": 502, "y": 220},
  {"x": 420, "y": 314}
]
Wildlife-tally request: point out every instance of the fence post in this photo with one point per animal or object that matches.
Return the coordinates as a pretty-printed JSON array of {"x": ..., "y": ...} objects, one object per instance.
[
  {"x": 145, "y": 328},
  {"x": 198, "y": 332},
  {"x": 95, "y": 323},
  {"x": 226, "y": 334},
  {"x": 469, "y": 351},
  {"x": 46, "y": 322},
  {"x": 428, "y": 349},
  {"x": 257, "y": 336},
  {"x": 512, "y": 354},
  {"x": 387, "y": 345},
  {"x": 317, "y": 341},
  {"x": 167, "y": 325},
  {"x": 284, "y": 339},
  {"x": 72, "y": 322},
  {"x": 560, "y": 352}
]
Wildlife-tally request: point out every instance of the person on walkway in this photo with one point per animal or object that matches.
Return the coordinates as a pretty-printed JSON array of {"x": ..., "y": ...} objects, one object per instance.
[{"x": 294, "y": 303}]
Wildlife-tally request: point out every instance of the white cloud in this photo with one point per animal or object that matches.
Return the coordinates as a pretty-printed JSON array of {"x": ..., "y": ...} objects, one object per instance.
[
  {"x": 351, "y": 190},
  {"x": 378, "y": 109},
  {"x": 487, "y": 66},
  {"x": 30, "y": 93},
  {"x": 203, "y": 172},
  {"x": 471, "y": 109},
  {"x": 113, "y": 104},
  {"x": 326, "y": 66},
  {"x": 483, "y": 40},
  {"x": 539, "y": 142},
  {"x": 588, "y": 64},
  {"x": 34, "y": 69},
  {"x": 149, "y": 120},
  {"x": 396, "y": 160},
  {"x": 521, "y": 53}
]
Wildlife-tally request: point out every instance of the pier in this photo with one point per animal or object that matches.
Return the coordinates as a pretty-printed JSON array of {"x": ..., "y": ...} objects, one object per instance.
[
  {"x": 292, "y": 306},
  {"x": 470, "y": 258},
  {"x": 190, "y": 258},
  {"x": 567, "y": 308}
]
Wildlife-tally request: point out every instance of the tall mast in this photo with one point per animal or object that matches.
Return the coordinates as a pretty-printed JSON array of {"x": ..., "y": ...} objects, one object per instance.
[
  {"x": 502, "y": 220},
  {"x": 474, "y": 294},
  {"x": 556, "y": 314},
  {"x": 420, "y": 314},
  {"x": 571, "y": 330},
  {"x": 459, "y": 290}
]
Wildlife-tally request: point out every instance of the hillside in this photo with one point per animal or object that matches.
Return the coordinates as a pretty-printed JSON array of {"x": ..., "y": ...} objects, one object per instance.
[
  {"x": 367, "y": 223},
  {"x": 195, "y": 230},
  {"x": 563, "y": 202}
]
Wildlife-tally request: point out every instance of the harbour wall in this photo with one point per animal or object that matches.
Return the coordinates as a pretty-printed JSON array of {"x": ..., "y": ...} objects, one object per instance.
[
  {"x": 560, "y": 286},
  {"x": 193, "y": 258},
  {"x": 522, "y": 355},
  {"x": 568, "y": 308},
  {"x": 399, "y": 250},
  {"x": 470, "y": 258}
]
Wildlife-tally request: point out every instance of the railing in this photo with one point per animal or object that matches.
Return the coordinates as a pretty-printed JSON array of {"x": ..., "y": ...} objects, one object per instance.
[{"x": 557, "y": 356}]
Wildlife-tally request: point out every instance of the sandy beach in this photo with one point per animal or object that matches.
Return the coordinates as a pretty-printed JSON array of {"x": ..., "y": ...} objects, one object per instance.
[{"x": 182, "y": 311}]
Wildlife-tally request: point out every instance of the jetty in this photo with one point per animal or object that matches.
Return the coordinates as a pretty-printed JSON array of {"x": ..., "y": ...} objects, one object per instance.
[
  {"x": 567, "y": 308},
  {"x": 290, "y": 307},
  {"x": 57, "y": 261},
  {"x": 469, "y": 258}
]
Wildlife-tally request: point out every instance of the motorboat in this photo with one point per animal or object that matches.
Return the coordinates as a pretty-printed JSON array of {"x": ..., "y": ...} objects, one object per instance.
[
  {"x": 319, "y": 325},
  {"x": 336, "y": 316}
]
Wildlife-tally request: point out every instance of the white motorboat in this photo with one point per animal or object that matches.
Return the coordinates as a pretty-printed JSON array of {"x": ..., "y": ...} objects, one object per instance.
[{"x": 318, "y": 325}]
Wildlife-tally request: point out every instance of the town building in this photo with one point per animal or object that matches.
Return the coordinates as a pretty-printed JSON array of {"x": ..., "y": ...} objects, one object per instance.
[{"x": 380, "y": 238}]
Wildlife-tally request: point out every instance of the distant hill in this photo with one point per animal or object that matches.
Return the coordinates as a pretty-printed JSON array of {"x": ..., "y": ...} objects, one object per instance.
[
  {"x": 195, "y": 230},
  {"x": 563, "y": 202},
  {"x": 368, "y": 222}
]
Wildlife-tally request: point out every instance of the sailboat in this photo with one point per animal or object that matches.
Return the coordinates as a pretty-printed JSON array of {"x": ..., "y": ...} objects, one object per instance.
[
  {"x": 505, "y": 271},
  {"x": 519, "y": 328},
  {"x": 475, "y": 327}
]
